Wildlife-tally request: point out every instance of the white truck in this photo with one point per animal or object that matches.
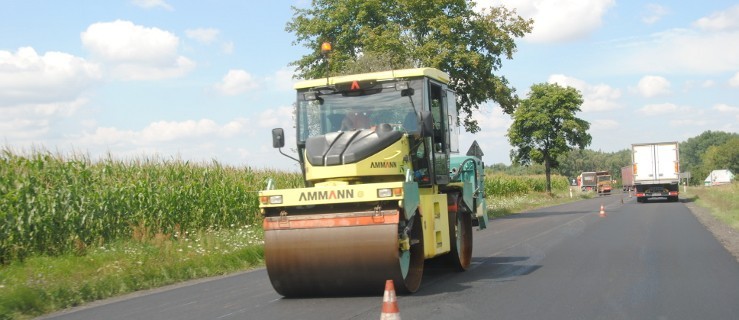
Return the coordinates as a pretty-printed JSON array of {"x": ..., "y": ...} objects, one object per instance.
[{"x": 656, "y": 170}]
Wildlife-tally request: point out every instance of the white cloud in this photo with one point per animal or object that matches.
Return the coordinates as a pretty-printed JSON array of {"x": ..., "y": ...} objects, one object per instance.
[
  {"x": 29, "y": 78},
  {"x": 604, "y": 125},
  {"x": 687, "y": 123},
  {"x": 492, "y": 138},
  {"x": 599, "y": 97},
  {"x": 734, "y": 81},
  {"x": 557, "y": 20},
  {"x": 709, "y": 47},
  {"x": 236, "y": 82},
  {"x": 148, "y": 4},
  {"x": 180, "y": 67},
  {"x": 203, "y": 35},
  {"x": 282, "y": 80},
  {"x": 29, "y": 122},
  {"x": 651, "y": 86},
  {"x": 719, "y": 21},
  {"x": 228, "y": 47},
  {"x": 167, "y": 132},
  {"x": 281, "y": 117},
  {"x": 134, "y": 52},
  {"x": 191, "y": 140},
  {"x": 722, "y": 107},
  {"x": 38, "y": 91},
  {"x": 680, "y": 51},
  {"x": 123, "y": 41},
  {"x": 658, "y": 109},
  {"x": 492, "y": 119},
  {"x": 654, "y": 13}
]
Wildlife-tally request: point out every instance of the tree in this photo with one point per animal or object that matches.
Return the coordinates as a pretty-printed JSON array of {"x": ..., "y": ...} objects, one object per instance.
[
  {"x": 445, "y": 34},
  {"x": 693, "y": 150},
  {"x": 544, "y": 127},
  {"x": 576, "y": 161},
  {"x": 724, "y": 156}
]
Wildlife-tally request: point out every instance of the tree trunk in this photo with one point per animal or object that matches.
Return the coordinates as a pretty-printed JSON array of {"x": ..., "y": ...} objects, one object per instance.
[{"x": 548, "y": 172}]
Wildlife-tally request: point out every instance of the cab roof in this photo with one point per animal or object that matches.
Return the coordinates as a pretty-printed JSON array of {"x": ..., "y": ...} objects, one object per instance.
[{"x": 432, "y": 73}]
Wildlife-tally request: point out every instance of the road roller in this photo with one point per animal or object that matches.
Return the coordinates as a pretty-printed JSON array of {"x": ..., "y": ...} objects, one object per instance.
[{"x": 385, "y": 186}]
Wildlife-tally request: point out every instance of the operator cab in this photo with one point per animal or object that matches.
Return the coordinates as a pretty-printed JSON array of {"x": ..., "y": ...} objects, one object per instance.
[{"x": 345, "y": 119}]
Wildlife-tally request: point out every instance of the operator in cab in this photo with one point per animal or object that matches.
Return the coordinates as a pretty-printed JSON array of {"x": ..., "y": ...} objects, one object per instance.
[{"x": 356, "y": 121}]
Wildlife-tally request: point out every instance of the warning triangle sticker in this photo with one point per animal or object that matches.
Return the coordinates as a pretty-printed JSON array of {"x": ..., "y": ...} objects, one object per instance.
[{"x": 355, "y": 85}]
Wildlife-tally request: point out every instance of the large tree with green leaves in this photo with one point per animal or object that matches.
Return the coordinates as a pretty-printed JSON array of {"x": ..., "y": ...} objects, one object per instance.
[
  {"x": 693, "y": 151},
  {"x": 545, "y": 127},
  {"x": 718, "y": 157},
  {"x": 446, "y": 34}
]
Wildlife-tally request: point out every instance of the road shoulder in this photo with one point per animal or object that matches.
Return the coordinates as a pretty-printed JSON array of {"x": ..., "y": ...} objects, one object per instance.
[{"x": 726, "y": 235}]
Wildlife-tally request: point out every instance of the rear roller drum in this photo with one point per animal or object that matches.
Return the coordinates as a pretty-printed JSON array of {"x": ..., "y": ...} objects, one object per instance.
[
  {"x": 411, "y": 261},
  {"x": 460, "y": 232}
]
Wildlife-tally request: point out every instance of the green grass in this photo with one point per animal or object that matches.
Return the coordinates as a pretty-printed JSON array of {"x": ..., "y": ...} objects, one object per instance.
[
  {"x": 722, "y": 200},
  {"x": 503, "y": 206},
  {"x": 43, "y": 284}
]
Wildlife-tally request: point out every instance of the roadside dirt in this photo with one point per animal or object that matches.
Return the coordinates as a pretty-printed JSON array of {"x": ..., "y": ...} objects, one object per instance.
[{"x": 726, "y": 235}]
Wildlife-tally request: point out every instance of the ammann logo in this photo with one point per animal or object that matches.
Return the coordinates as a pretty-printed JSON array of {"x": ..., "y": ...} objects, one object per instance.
[
  {"x": 383, "y": 164},
  {"x": 326, "y": 195}
]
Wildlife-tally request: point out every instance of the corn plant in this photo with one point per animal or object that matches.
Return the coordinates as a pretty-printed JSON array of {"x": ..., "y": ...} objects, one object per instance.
[
  {"x": 51, "y": 204},
  {"x": 499, "y": 185}
]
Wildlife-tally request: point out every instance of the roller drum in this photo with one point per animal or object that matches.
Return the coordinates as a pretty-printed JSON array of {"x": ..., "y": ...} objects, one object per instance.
[{"x": 342, "y": 260}]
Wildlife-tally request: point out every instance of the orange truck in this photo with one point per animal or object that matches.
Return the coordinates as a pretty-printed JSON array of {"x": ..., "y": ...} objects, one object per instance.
[{"x": 603, "y": 182}]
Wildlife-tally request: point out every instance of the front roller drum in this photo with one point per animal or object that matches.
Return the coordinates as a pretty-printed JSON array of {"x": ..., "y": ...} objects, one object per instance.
[{"x": 343, "y": 260}]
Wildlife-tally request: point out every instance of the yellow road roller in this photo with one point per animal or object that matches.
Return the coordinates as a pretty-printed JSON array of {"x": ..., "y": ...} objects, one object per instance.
[{"x": 386, "y": 187}]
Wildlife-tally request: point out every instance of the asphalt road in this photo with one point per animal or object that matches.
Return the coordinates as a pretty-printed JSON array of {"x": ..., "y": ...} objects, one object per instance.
[{"x": 640, "y": 261}]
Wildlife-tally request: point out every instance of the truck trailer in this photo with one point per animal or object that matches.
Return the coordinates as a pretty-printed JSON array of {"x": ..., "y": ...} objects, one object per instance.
[
  {"x": 627, "y": 179},
  {"x": 378, "y": 198},
  {"x": 587, "y": 181},
  {"x": 656, "y": 170}
]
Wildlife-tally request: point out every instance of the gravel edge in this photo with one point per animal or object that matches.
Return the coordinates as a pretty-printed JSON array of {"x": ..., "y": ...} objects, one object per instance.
[{"x": 726, "y": 235}]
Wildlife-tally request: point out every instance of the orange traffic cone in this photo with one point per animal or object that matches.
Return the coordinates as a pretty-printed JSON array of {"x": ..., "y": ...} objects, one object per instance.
[
  {"x": 390, "y": 303},
  {"x": 602, "y": 211}
]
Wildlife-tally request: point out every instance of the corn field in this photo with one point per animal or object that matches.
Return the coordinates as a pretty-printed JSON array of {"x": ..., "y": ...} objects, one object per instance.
[
  {"x": 50, "y": 205},
  {"x": 497, "y": 185}
]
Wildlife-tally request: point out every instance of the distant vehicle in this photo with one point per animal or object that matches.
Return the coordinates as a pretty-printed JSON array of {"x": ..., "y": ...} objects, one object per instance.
[
  {"x": 587, "y": 181},
  {"x": 627, "y": 178},
  {"x": 719, "y": 177},
  {"x": 603, "y": 182},
  {"x": 656, "y": 170}
]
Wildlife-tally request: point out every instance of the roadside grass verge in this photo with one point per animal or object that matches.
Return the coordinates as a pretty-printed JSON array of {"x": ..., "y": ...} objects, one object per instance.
[
  {"x": 43, "y": 284},
  {"x": 503, "y": 206},
  {"x": 722, "y": 200}
]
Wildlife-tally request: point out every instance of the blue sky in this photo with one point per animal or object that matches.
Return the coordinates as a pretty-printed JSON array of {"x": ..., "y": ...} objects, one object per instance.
[{"x": 208, "y": 80}]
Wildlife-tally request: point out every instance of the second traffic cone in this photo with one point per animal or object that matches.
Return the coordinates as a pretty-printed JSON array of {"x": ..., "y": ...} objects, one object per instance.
[
  {"x": 602, "y": 211},
  {"x": 390, "y": 303}
]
